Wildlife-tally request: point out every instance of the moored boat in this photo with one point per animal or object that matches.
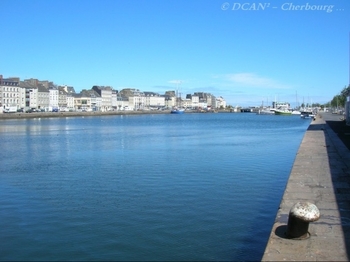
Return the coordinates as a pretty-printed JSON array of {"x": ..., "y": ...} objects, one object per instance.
[
  {"x": 177, "y": 111},
  {"x": 266, "y": 111},
  {"x": 296, "y": 112},
  {"x": 283, "y": 112},
  {"x": 307, "y": 114}
]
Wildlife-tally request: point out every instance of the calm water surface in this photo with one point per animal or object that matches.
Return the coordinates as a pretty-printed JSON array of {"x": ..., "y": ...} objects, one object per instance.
[{"x": 148, "y": 187}]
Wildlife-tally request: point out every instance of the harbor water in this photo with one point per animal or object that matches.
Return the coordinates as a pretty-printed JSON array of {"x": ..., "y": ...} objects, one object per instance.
[{"x": 162, "y": 187}]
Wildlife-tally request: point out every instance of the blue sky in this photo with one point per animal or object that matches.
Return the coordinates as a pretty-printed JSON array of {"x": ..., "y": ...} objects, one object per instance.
[{"x": 247, "y": 52}]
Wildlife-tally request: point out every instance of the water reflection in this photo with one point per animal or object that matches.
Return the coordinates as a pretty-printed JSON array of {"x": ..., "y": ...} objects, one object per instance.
[{"x": 158, "y": 187}]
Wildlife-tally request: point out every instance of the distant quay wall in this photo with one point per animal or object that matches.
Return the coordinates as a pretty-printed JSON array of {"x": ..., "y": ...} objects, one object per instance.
[
  {"x": 97, "y": 113},
  {"x": 75, "y": 114}
]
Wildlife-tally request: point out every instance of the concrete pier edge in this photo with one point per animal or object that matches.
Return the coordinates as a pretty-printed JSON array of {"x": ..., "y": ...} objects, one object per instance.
[{"x": 320, "y": 174}]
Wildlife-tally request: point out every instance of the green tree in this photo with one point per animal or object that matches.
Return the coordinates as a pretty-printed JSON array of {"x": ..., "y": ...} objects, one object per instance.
[
  {"x": 340, "y": 99},
  {"x": 337, "y": 101},
  {"x": 327, "y": 105},
  {"x": 346, "y": 91}
]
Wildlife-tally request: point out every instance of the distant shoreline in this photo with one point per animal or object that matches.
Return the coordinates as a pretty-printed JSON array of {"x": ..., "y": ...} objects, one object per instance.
[{"x": 76, "y": 114}]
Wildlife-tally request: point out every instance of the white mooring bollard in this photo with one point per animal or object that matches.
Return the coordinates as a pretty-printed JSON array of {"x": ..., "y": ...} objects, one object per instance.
[{"x": 300, "y": 215}]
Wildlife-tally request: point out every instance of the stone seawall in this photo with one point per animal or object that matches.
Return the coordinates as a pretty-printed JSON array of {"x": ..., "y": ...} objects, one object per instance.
[
  {"x": 74, "y": 114},
  {"x": 320, "y": 175},
  {"x": 110, "y": 113}
]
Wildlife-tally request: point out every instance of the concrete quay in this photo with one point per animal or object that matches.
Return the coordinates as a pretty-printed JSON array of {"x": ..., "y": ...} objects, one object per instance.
[
  {"x": 76, "y": 114},
  {"x": 320, "y": 175},
  {"x": 89, "y": 114}
]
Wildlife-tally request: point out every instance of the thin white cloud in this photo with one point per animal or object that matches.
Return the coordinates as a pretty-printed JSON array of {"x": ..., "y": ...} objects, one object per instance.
[
  {"x": 175, "y": 81},
  {"x": 253, "y": 80}
]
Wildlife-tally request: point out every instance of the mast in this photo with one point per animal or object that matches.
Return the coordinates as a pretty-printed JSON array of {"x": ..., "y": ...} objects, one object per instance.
[{"x": 177, "y": 93}]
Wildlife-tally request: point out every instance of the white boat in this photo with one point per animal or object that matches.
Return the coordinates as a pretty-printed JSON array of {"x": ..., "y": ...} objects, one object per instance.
[
  {"x": 296, "y": 112},
  {"x": 307, "y": 114},
  {"x": 266, "y": 111}
]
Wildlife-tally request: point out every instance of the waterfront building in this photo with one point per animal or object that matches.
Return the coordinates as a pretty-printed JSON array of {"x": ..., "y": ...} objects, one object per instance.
[
  {"x": 135, "y": 97},
  {"x": 201, "y": 95},
  {"x": 114, "y": 99},
  {"x": 176, "y": 100},
  {"x": 62, "y": 99},
  {"x": 86, "y": 100},
  {"x": 31, "y": 81},
  {"x": 207, "y": 100},
  {"x": 45, "y": 83},
  {"x": 105, "y": 92},
  {"x": 66, "y": 97},
  {"x": 169, "y": 101},
  {"x": 31, "y": 93},
  {"x": 77, "y": 101},
  {"x": 184, "y": 103},
  {"x": 211, "y": 101},
  {"x": 203, "y": 104},
  {"x": 68, "y": 89},
  {"x": 122, "y": 102},
  {"x": 154, "y": 100},
  {"x": 22, "y": 98},
  {"x": 70, "y": 101},
  {"x": 194, "y": 101},
  {"x": 9, "y": 92},
  {"x": 36, "y": 94},
  {"x": 98, "y": 102},
  {"x": 137, "y": 101},
  {"x": 83, "y": 101},
  {"x": 31, "y": 97},
  {"x": 220, "y": 102},
  {"x": 43, "y": 97},
  {"x": 53, "y": 98},
  {"x": 90, "y": 100},
  {"x": 170, "y": 93}
]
